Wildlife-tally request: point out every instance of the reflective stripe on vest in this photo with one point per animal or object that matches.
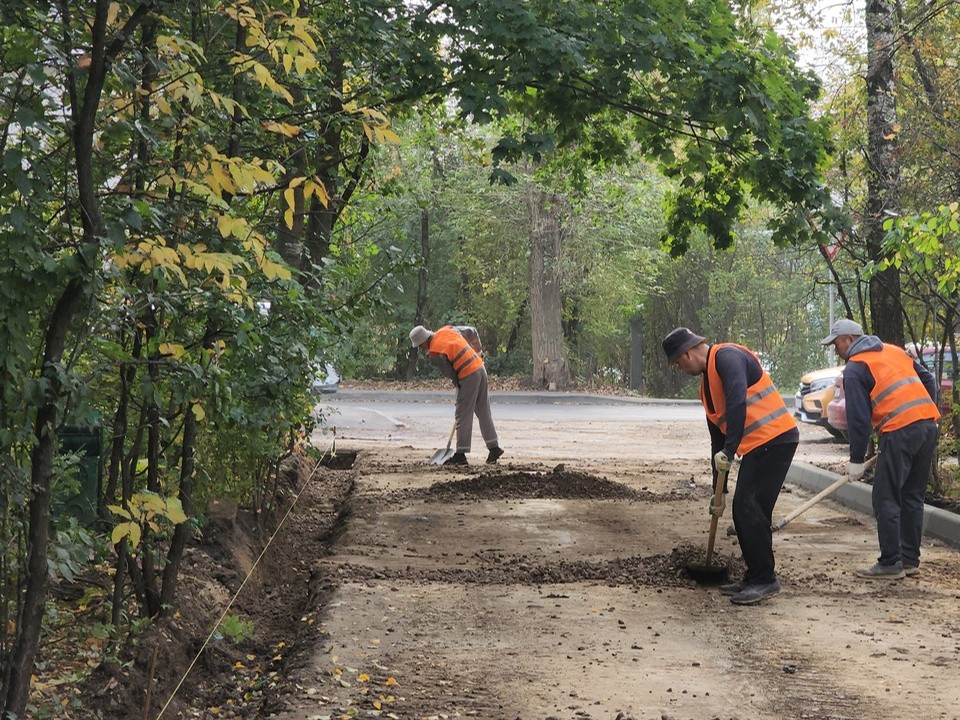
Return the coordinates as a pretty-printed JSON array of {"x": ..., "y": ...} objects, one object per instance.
[
  {"x": 899, "y": 398},
  {"x": 450, "y": 343},
  {"x": 767, "y": 415}
]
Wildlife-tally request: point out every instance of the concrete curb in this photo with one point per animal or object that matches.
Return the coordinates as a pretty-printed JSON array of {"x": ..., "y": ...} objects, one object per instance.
[
  {"x": 506, "y": 397},
  {"x": 937, "y": 523}
]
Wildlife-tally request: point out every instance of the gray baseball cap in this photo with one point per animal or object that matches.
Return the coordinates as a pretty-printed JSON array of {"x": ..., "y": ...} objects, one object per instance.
[{"x": 843, "y": 326}]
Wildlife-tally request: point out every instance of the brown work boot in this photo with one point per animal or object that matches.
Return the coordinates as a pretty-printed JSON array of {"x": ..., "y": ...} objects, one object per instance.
[{"x": 495, "y": 452}]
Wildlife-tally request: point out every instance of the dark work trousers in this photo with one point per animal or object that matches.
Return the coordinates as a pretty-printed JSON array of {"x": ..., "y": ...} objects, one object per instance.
[
  {"x": 759, "y": 480},
  {"x": 904, "y": 457}
]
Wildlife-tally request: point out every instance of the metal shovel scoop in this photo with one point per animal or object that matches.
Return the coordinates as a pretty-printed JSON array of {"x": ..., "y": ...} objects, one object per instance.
[
  {"x": 710, "y": 572},
  {"x": 444, "y": 454}
]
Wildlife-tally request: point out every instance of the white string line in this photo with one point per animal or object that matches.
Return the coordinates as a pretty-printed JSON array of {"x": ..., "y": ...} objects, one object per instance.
[{"x": 237, "y": 593}]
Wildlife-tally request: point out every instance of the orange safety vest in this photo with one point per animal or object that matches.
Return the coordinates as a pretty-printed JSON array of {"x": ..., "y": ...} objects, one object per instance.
[
  {"x": 899, "y": 397},
  {"x": 450, "y": 343},
  {"x": 767, "y": 414}
]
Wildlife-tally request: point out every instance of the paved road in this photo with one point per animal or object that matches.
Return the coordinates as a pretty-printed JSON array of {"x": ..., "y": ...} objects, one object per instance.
[{"x": 364, "y": 410}]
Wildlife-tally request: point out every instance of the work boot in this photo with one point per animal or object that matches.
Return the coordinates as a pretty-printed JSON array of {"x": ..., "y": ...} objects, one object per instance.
[
  {"x": 882, "y": 572},
  {"x": 457, "y": 459},
  {"x": 911, "y": 570},
  {"x": 753, "y": 594},
  {"x": 733, "y": 588},
  {"x": 495, "y": 452}
]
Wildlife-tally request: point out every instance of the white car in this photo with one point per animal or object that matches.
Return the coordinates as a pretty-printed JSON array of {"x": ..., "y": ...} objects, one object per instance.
[{"x": 326, "y": 380}]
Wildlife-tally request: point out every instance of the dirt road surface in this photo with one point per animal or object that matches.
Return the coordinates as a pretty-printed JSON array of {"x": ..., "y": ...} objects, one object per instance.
[{"x": 551, "y": 586}]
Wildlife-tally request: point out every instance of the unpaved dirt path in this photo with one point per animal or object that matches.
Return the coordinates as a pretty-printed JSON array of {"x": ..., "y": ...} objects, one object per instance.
[{"x": 533, "y": 591}]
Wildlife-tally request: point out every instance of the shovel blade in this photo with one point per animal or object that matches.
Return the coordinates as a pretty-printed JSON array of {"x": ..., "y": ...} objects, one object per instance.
[{"x": 441, "y": 456}]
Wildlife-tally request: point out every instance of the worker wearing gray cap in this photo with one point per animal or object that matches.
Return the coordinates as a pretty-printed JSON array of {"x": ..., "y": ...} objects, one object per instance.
[
  {"x": 455, "y": 357},
  {"x": 888, "y": 392}
]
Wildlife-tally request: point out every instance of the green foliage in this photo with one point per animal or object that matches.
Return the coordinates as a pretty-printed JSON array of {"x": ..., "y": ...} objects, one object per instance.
[
  {"x": 716, "y": 102},
  {"x": 235, "y": 629},
  {"x": 73, "y": 549}
]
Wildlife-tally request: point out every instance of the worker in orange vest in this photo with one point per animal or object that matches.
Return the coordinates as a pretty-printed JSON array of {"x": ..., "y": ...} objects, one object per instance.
[
  {"x": 888, "y": 392},
  {"x": 746, "y": 416},
  {"x": 450, "y": 351}
]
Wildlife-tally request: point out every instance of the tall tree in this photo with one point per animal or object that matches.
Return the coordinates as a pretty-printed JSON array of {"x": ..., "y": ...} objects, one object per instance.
[
  {"x": 546, "y": 230},
  {"x": 883, "y": 179}
]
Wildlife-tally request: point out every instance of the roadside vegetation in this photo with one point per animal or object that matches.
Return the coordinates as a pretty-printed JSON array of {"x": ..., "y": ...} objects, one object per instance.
[{"x": 202, "y": 204}]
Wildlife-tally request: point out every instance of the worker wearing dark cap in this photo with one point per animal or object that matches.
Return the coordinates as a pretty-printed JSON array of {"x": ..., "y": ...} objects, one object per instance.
[{"x": 746, "y": 416}]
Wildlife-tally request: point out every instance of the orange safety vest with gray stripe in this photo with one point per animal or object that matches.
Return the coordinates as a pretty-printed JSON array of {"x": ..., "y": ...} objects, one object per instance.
[
  {"x": 899, "y": 398},
  {"x": 449, "y": 342},
  {"x": 767, "y": 414}
]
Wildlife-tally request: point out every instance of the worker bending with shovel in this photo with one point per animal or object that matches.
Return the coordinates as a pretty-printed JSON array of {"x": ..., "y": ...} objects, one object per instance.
[
  {"x": 453, "y": 355},
  {"x": 746, "y": 416}
]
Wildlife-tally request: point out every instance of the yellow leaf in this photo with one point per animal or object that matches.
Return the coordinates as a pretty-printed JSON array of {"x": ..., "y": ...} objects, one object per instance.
[
  {"x": 129, "y": 530},
  {"x": 176, "y": 350},
  {"x": 175, "y": 511},
  {"x": 198, "y": 412},
  {"x": 318, "y": 190},
  {"x": 274, "y": 271},
  {"x": 389, "y": 136},
  {"x": 305, "y": 63},
  {"x": 285, "y": 129},
  {"x": 391, "y": 681},
  {"x": 122, "y": 512},
  {"x": 363, "y": 677}
]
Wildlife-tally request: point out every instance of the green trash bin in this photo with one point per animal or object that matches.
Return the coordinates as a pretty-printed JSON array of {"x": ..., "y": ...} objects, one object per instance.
[{"x": 86, "y": 442}]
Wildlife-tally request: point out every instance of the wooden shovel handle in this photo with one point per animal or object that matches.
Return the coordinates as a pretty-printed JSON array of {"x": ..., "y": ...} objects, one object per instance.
[
  {"x": 718, "y": 502},
  {"x": 826, "y": 492}
]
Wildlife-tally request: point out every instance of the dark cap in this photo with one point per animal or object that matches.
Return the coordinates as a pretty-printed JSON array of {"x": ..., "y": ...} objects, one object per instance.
[{"x": 679, "y": 341}]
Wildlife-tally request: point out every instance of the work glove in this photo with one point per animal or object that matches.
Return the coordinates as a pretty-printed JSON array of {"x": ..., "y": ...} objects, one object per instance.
[
  {"x": 854, "y": 470},
  {"x": 717, "y": 510},
  {"x": 721, "y": 462}
]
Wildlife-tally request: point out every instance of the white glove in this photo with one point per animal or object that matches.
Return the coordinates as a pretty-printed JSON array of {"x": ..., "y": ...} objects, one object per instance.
[
  {"x": 854, "y": 470},
  {"x": 721, "y": 462}
]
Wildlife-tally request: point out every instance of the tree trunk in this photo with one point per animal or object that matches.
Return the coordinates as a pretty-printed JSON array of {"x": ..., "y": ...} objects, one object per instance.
[
  {"x": 83, "y": 107},
  {"x": 181, "y": 533},
  {"x": 544, "y": 224},
  {"x": 883, "y": 182},
  {"x": 41, "y": 471},
  {"x": 411, "y": 364}
]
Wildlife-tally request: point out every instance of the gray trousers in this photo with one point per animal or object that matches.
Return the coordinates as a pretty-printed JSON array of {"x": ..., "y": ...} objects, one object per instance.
[
  {"x": 904, "y": 457},
  {"x": 472, "y": 398}
]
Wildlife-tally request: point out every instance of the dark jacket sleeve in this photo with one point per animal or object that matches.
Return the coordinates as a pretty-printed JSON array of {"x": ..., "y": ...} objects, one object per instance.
[
  {"x": 929, "y": 381},
  {"x": 444, "y": 366}
]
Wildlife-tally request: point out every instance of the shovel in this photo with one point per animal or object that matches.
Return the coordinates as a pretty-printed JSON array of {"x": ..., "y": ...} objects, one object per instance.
[
  {"x": 825, "y": 493},
  {"x": 444, "y": 454},
  {"x": 710, "y": 572}
]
